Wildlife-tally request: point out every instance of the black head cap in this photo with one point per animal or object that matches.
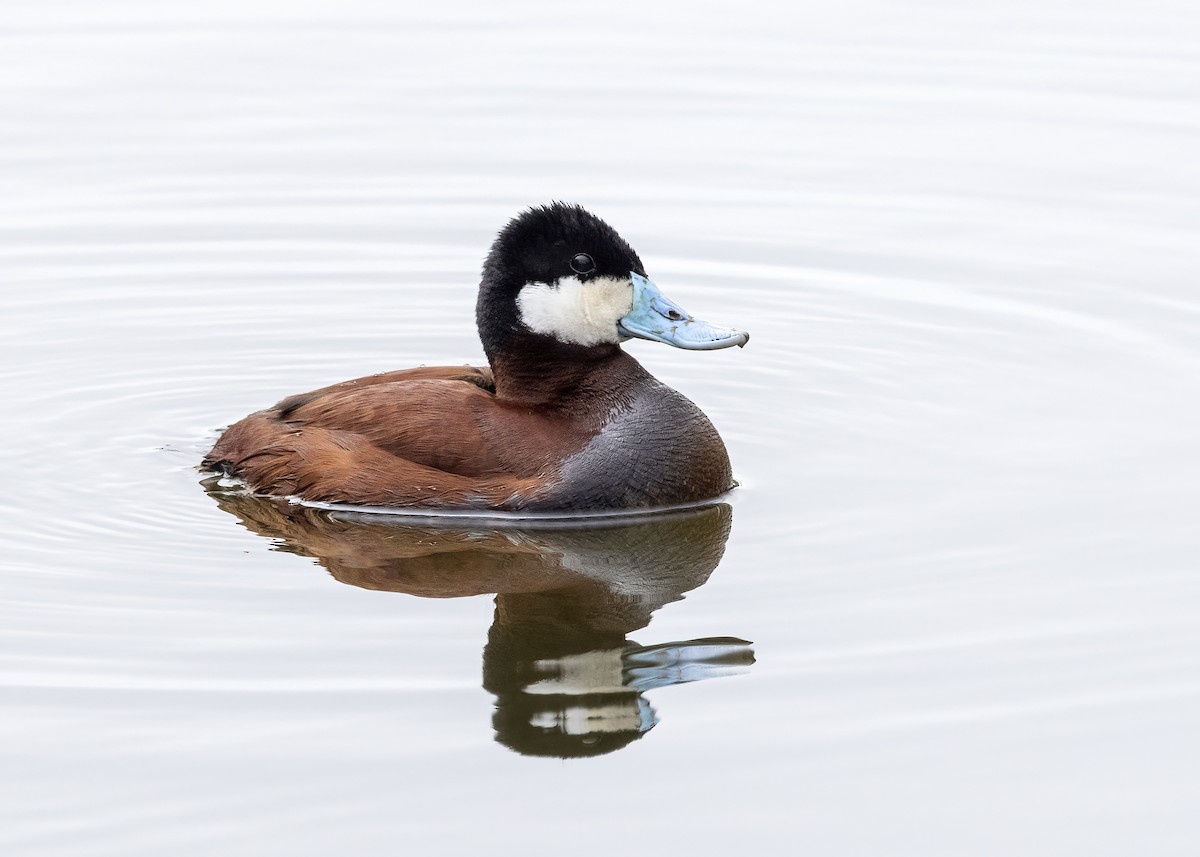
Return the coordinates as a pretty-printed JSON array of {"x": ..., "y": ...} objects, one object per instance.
[{"x": 540, "y": 246}]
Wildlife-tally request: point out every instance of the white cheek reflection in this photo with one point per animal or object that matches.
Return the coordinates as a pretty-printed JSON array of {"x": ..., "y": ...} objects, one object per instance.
[{"x": 634, "y": 715}]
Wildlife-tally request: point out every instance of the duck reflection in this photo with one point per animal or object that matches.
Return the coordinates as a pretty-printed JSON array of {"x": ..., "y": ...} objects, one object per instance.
[{"x": 567, "y": 680}]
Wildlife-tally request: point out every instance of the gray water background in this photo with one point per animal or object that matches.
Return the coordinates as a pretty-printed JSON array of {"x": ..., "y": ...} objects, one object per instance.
[{"x": 965, "y": 241}]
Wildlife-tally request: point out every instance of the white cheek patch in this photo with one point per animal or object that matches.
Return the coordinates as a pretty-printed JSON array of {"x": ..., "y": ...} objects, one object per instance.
[{"x": 574, "y": 311}]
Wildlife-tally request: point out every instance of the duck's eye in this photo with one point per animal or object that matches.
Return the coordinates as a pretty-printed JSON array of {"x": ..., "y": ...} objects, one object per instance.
[{"x": 582, "y": 264}]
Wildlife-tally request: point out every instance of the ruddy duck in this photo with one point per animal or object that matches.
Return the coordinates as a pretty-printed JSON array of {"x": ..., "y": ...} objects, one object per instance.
[{"x": 561, "y": 420}]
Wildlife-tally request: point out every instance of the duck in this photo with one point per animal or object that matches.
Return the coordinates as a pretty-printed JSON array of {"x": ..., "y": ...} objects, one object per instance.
[{"x": 561, "y": 419}]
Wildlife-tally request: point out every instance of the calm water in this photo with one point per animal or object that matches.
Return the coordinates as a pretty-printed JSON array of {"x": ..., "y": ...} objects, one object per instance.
[{"x": 952, "y": 610}]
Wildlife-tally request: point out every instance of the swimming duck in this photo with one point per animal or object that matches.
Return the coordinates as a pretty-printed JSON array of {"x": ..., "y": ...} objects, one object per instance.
[{"x": 562, "y": 419}]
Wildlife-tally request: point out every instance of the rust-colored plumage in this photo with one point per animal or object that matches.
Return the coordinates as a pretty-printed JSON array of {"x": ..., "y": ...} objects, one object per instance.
[{"x": 404, "y": 438}]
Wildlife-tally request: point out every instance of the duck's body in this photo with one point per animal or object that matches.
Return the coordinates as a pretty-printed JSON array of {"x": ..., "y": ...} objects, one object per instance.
[{"x": 558, "y": 422}]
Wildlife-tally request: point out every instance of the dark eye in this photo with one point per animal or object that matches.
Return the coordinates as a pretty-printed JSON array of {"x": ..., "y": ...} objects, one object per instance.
[{"x": 582, "y": 264}]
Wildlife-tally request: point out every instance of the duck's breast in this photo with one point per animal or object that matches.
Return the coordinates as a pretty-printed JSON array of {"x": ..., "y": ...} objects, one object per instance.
[{"x": 654, "y": 448}]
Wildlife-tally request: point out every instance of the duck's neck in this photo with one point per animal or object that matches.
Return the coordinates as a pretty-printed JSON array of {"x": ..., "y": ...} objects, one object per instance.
[{"x": 550, "y": 375}]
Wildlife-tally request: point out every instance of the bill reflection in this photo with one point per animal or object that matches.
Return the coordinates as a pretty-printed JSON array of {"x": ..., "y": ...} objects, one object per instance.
[{"x": 567, "y": 678}]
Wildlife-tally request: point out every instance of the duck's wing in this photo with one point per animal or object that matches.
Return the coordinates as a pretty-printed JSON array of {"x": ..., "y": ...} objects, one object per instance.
[
  {"x": 407, "y": 438},
  {"x": 479, "y": 376}
]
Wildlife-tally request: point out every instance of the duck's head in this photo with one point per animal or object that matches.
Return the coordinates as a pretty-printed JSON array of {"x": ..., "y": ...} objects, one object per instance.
[{"x": 558, "y": 275}]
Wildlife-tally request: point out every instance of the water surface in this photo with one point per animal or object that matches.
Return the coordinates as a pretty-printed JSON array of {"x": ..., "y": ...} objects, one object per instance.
[{"x": 952, "y": 609}]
